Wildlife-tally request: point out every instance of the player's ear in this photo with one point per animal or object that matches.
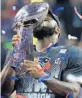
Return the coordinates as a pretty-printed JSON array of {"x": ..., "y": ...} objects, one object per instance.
[{"x": 57, "y": 30}]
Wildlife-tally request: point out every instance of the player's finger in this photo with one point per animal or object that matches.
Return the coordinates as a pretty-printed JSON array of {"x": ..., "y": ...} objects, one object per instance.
[
  {"x": 28, "y": 61},
  {"x": 16, "y": 36},
  {"x": 14, "y": 42},
  {"x": 28, "y": 65},
  {"x": 15, "y": 39},
  {"x": 29, "y": 69}
]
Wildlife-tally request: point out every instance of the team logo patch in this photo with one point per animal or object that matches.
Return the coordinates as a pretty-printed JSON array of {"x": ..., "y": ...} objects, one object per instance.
[{"x": 45, "y": 63}]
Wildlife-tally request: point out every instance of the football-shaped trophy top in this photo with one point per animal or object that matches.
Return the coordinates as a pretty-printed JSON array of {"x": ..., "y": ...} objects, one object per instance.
[{"x": 32, "y": 14}]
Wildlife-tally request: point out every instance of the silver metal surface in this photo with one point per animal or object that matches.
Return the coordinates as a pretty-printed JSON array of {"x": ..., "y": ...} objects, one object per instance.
[{"x": 33, "y": 14}]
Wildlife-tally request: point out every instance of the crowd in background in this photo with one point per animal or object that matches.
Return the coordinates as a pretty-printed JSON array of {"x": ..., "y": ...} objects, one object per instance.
[{"x": 71, "y": 23}]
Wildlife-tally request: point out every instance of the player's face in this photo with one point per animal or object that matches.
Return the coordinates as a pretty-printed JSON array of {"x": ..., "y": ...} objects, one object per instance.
[{"x": 46, "y": 29}]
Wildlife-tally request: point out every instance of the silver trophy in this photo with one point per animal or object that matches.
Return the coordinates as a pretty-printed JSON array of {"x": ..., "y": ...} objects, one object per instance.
[
  {"x": 26, "y": 20},
  {"x": 31, "y": 15}
]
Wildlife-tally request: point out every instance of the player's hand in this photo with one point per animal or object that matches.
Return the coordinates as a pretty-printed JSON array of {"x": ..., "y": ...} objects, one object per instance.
[
  {"x": 33, "y": 68},
  {"x": 15, "y": 39},
  {"x": 20, "y": 96}
]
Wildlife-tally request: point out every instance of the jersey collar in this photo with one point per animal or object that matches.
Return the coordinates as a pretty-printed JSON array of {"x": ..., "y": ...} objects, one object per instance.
[{"x": 46, "y": 51}]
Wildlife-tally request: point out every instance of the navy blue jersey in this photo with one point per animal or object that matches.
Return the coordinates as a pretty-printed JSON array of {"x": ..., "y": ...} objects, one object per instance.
[{"x": 64, "y": 60}]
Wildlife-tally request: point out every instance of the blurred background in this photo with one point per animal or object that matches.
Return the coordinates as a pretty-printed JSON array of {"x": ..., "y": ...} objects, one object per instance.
[{"x": 68, "y": 11}]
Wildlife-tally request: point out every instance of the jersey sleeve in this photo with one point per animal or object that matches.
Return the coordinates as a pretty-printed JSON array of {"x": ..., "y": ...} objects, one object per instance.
[{"x": 73, "y": 71}]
